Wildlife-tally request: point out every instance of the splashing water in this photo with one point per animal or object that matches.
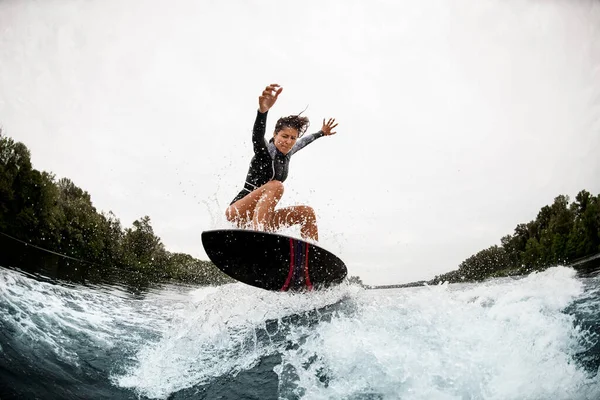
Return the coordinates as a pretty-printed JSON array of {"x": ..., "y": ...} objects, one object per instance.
[{"x": 530, "y": 338}]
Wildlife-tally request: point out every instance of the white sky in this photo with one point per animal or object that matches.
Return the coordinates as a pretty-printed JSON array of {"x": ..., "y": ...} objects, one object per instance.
[{"x": 458, "y": 119}]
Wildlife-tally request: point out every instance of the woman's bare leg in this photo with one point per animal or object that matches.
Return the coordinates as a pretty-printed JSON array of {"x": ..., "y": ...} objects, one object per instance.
[
  {"x": 241, "y": 211},
  {"x": 298, "y": 215},
  {"x": 258, "y": 207},
  {"x": 263, "y": 213},
  {"x": 244, "y": 210}
]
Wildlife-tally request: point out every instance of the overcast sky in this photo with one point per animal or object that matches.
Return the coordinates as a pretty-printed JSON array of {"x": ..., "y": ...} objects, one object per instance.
[{"x": 457, "y": 119}]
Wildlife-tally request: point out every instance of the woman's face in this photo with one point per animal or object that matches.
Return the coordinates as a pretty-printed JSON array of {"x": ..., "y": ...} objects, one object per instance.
[{"x": 285, "y": 139}]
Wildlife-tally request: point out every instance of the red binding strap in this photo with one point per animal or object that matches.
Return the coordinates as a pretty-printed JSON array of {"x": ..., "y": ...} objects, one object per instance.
[
  {"x": 307, "y": 280},
  {"x": 291, "y": 273}
]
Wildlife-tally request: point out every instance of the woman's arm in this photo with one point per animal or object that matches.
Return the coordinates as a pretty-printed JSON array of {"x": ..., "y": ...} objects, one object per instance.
[
  {"x": 258, "y": 133},
  {"x": 265, "y": 101},
  {"x": 326, "y": 130}
]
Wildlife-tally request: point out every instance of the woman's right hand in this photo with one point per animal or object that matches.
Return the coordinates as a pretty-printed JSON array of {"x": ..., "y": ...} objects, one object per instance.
[{"x": 268, "y": 97}]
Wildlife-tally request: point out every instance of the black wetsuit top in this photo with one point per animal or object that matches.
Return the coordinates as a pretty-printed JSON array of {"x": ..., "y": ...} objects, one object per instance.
[{"x": 269, "y": 163}]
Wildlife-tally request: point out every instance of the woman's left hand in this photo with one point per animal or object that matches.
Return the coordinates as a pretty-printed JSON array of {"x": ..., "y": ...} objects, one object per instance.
[{"x": 328, "y": 127}]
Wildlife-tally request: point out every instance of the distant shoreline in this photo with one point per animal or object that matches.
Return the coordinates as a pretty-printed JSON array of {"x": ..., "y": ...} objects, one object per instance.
[{"x": 585, "y": 264}]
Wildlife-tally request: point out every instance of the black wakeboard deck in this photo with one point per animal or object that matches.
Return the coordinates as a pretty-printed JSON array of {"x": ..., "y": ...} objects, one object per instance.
[{"x": 271, "y": 261}]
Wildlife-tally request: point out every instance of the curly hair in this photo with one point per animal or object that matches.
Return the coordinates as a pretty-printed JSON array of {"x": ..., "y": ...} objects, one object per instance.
[{"x": 297, "y": 122}]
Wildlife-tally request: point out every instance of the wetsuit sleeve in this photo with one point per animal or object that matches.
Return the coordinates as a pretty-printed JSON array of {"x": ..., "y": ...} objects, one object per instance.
[
  {"x": 305, "y": 141},
  {"x": 258, "y": 133}
]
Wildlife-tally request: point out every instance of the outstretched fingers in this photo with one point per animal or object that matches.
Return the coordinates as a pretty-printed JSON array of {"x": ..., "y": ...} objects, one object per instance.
[
  {"x": 272, "y": 91},
  {"x": 269, "y": 96},
  {"x": 329, "y": 126}
]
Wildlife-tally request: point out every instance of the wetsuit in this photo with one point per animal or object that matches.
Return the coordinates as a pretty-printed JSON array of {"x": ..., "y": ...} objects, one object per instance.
[{"x": 269, "y": 163}]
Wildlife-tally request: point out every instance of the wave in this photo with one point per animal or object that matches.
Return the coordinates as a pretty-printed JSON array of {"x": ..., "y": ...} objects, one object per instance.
[{"x": 529, "y": 338}]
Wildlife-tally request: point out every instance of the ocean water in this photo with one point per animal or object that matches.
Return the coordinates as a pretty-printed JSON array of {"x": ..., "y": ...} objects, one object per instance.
[{"x": 536, "y": 337}]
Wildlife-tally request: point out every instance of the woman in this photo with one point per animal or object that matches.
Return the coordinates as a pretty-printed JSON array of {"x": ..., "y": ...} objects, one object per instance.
[{"x": 269, "y": 169}]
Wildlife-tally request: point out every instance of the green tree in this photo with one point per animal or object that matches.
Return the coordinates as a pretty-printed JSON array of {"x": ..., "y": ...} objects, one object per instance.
[
  {"x": 584, "y": 238},
  {"x": 185, "y": 268},
  {"x": 355, "y": 280},
  {"x": 59, "y": 216},
  {"x": 81, "y": 233},
  {"x": 484, "y": 263},
  {"x": 561, "y": 233},
  {"x": 15, "y": 175},
  {"x": 142, "y": 248}
]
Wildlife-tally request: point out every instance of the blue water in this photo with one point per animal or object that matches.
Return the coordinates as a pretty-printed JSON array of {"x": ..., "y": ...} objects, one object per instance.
[{"x": 529, "y": 338}]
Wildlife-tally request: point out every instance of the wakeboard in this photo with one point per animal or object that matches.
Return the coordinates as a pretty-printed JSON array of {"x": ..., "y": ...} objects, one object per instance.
[{"x": 271, "y": 261}]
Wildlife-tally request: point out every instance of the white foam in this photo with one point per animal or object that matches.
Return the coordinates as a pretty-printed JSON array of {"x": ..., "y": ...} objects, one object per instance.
[
  {"x": 66, "y": 318},
  {"x": 216, "y": 336},
  {"x": 503, "y": 339},
  {"x": 500, "y": 340}
]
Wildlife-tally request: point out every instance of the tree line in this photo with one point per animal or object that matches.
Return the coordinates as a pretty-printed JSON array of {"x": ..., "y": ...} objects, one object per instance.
[
  {"x": 54, "y": 214},
  {"x": 562, "y": 233}
]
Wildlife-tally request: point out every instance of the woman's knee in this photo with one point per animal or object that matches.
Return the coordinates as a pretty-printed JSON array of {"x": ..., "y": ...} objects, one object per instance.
[
  {"x": 276, "y": 186},
  {"x": 230, "y": 214},
  {"x": 308, "y": 213}
]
